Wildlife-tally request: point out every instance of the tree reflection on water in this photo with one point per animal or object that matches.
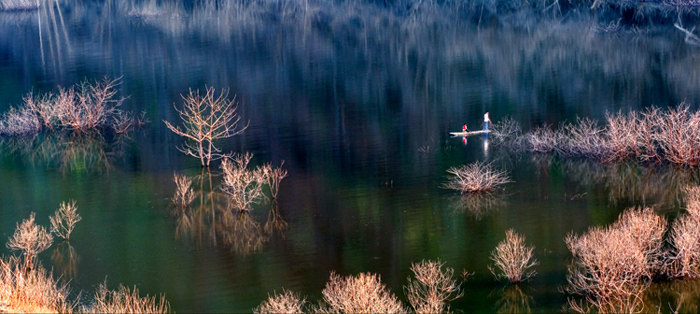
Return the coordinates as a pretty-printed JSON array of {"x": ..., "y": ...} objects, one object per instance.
[
  {"x": 210, "y": 219},
  {"x": 660, "y": 186},
  {"x": 512, "y": 300},
  {"x": 69, "y": 152},
  {"x": 477, "y": 205}
]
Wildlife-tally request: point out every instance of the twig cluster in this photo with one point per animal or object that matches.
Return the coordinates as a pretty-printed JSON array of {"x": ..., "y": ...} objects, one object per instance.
[
  {"x": 82, "y": 108},
  {"x": 64, "y": 220},
  {"x": 683, "y": 258},
  {"x": 613, "y": 265},
  {"x": 244, "y": 186},
  {"x": 654, "y": 135},
  {"x": 206, "y": 118},
  {"x": 475, "y": 178},
  {"x": 430, "y": 291},
  {"x": 433, "y": 289},
  {"x": 513, "y": 258}
]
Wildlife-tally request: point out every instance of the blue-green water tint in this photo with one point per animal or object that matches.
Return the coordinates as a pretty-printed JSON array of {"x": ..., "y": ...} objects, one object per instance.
[{"x": 357, "y": 101}]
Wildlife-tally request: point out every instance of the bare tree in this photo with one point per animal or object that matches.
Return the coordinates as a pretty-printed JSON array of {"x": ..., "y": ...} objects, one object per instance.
[
  {"x": 64, "y": 220},
  {"x": 432, "y": 289},
  {"x": 30, "y": 239},
  {"x": 207, "y": 118}
]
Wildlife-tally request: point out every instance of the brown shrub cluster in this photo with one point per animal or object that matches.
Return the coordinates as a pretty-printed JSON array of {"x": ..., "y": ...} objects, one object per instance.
[
  {"x": 513, "y": 258},
  {"x": 245, "y": 187},
  {"x": 27, "y": 287},
  {"x": 475, "y": 178},
  {"x": 654, "y": 135},
  {"x": 286, "y": 302},
  {"x": 82, "y": 108},
  {"x": 433, "y": 289},
  {"x": 430, "y": 291},
  {"x": 613, "y": 265},
  {"x": 364, "y": 293},
  {"x": 683, "y": 257}
]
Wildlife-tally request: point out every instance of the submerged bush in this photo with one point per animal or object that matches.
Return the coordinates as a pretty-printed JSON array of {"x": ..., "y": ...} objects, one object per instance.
[
  {"x": 475, "y": 178},
  {"x": 613, "y": 265},
  {"x": 243, "y": 186},
  {"x": 653, "y": 135},
  {"x": 364, "y": 293},
  {"x": 432, "y": 289},
  {"x": 285, "y": 302},
  {"x": 513, "y": 258},
  {"x": 81, "y": 108},
  {"x": 683, "y": 258}
]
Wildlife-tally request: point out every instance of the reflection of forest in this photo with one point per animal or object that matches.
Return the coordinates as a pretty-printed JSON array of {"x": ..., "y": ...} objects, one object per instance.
[
  {"x": 209, "y": 220},
  {"x": 357, "y": 70}
]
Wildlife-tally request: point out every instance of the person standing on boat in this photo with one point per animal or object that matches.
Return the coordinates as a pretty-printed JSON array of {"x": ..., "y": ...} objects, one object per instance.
[
  {"x": 486, "y": 121},
  {"x": 464, "y": 128}
]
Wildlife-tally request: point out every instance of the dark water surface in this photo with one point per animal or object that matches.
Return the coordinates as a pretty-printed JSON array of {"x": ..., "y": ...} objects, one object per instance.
[{"x": 357, "y": 100}]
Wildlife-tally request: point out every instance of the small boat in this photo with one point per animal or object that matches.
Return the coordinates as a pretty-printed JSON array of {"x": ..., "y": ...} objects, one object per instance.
[{"x": 463, "y": 134}]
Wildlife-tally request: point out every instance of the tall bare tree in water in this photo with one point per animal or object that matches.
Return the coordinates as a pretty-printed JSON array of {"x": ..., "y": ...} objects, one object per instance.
[{"x": 206, "y": 118}]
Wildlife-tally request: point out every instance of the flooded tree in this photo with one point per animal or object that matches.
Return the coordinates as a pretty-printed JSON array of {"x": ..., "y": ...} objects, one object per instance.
[{"x": 207, "y": 118}]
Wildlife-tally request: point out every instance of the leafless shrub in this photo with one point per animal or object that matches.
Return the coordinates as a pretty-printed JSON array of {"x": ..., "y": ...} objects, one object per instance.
[
  {"x": 678, "y": 135},
  {"x": 683, "y": 258},
  {"x": 207, "y": 118},
  {"x": 243, "y": 186},
  {"x": 184, "y": 195},
  {"x": 19, "y": 121},
  {"x": 64, "y": 220},
  {"x": 433, "y": 289},
  {"x": 475, "y": 178},
  {"x": 30, "y": 239},
  {"x": 623, "y": 139},
  {"x": 614, "y": 264},
  {"x": 360, "y": 294},
  {"x": 513, "y": 258},
  {"x": 541, "y": 140},
  {"x": 32, "y": 291},
  {"x": 582, "y": 139},
  {"x": 125, "y": 300},
  {"x": 285, "y": 302},
  {"x": 505, "y": 131},
  {"x": 82, "y": 108}
]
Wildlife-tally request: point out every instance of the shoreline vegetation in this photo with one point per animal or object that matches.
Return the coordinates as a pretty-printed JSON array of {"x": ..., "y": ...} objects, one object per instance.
[
  {"x": 652, "y": 136},
  {"x": 27, "y": 287}
]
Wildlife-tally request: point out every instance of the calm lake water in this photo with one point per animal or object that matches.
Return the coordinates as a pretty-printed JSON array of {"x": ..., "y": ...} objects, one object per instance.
[{"x": 357, "y": 100}]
